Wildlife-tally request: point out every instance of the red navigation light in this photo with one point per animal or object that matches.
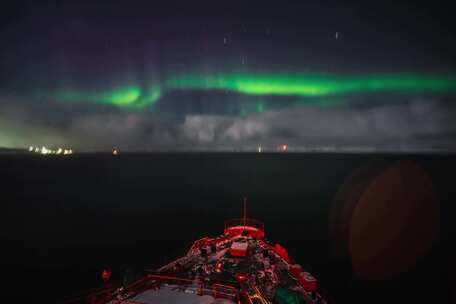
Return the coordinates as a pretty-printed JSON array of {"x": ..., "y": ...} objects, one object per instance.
[
  {"x": 106, "y": 274},
  {"x": 283, "y": 148}
]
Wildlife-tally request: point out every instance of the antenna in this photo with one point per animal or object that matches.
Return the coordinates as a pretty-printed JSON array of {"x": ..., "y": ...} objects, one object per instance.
[{"x": 245, "y": 211}]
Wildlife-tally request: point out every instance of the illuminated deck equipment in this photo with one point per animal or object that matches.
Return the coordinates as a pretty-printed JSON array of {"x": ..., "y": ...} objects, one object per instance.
[{"x": 238, "y": 267}]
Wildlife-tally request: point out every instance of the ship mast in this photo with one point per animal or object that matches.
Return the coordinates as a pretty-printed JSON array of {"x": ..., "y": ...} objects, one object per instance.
[{"x": 245, "y": 211}]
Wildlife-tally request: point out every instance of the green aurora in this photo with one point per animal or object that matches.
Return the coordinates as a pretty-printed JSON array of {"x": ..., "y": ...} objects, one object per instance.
[
  {"x": 325, "y": 87},
  {"x": 125, "y": 97}
]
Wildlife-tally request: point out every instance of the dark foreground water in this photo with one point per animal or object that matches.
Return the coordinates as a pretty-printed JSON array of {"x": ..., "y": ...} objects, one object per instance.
[{"x": 64, "y": 219}]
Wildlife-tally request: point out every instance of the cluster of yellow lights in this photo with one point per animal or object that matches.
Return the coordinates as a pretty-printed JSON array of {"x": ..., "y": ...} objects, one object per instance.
[{"x": 45, "y": 151}]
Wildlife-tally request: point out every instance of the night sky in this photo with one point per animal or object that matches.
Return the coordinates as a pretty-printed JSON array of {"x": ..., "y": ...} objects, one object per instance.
[{"x": 146, "y": 76}]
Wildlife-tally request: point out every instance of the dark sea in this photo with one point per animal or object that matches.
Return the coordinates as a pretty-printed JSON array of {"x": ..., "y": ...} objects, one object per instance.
[{"x": 65, "y": 219}]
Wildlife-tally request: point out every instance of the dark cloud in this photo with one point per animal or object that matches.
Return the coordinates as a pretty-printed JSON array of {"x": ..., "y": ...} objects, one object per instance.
[{"x": 414, "y": 126}]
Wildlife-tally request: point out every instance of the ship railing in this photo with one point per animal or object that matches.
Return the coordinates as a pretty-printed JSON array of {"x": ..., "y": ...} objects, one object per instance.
[
  {"x": 152, "y": 281},
  {"x": 248, "y": 222}
]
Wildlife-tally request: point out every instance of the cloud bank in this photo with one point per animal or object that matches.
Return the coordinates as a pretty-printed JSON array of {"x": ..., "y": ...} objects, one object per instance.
[{"x": 413, "y": 125}]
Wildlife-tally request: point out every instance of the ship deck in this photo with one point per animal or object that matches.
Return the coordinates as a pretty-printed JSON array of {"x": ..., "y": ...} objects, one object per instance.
[{"x": 238, "y": 267}]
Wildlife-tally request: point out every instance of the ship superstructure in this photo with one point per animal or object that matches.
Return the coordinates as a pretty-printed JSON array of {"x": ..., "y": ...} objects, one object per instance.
[{"x": 238, "y": 267}]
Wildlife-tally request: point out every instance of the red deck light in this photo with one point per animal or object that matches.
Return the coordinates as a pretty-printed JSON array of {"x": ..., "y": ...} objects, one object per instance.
[{"x": 241, "y": 276}]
